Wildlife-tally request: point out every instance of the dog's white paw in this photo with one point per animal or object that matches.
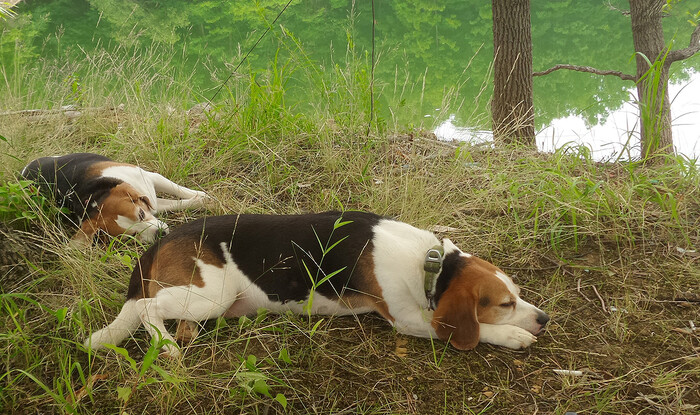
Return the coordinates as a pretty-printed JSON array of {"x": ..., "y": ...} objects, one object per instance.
[
  {"x": 506, "y": 335},
  {"x": 198, "y": 200},
  {"x": 518, "y": 338},
  {"x": 204, "y": 197},
  {"x": 170, "y": 351}
]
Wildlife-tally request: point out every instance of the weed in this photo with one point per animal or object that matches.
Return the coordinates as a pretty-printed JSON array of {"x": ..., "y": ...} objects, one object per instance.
[
  {"x": 437, "y": 360},
  {"x": 252, "y": 381},
  {"x": 651, "y": 105},
  {"x": 318, "y": 279},
  {"x": 143, "y": 379},
  {"x": 20, "y": 203}
]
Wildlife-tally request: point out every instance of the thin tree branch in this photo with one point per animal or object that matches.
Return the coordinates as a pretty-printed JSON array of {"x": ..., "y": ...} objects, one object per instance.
[
  {"x": 692, "y": 49},
  {"x": 622, "y": 12},
  {"x": 588, "y": 69}
]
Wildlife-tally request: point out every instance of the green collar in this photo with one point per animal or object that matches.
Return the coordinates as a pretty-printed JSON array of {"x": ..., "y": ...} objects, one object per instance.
[{"x": 432, "y": 267}]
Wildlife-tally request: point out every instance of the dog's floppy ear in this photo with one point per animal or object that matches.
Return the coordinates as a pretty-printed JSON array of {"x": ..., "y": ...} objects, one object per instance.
[
  {"x": 455, "y": 319},
  {"x": 92, "y": 194}
]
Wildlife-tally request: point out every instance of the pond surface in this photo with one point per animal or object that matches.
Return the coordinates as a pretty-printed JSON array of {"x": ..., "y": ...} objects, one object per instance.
[
  {"x": 434, "y": 57},
  {"x": 615, "y": 138}
]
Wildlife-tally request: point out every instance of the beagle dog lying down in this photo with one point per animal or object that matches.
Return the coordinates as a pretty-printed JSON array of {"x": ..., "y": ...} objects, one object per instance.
[
  {"x": 103, "y": 195},
  {"x": 328, "y": 263}
]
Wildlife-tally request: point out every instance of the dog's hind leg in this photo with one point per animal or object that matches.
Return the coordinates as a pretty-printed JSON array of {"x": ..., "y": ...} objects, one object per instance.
[
  {"x": 122, "y": 327},
  {"x": 152, "y": 320},
  {"x": 168, "y": 205},
  {"x": 186, "y": 331},
  {"x": 163, "y": 185}
]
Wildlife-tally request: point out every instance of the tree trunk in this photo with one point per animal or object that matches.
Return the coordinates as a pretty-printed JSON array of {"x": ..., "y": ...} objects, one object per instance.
[
  {"x": 511, "y": 106},
  {"x": 654, "y": 103}
]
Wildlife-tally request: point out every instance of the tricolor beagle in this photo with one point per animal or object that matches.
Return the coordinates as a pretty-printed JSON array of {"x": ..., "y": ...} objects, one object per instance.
[
  {"x": 105, "y": 195},
  {"x": 326, "y": 263}
]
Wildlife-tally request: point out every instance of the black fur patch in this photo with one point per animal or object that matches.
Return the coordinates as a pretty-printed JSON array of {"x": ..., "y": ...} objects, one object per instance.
[
  {"x": 91, "y": 194},
  {"x": 451, "y": 264},
  {"x": 64, "y": 180},
  {"x": 280, "y": 254}
]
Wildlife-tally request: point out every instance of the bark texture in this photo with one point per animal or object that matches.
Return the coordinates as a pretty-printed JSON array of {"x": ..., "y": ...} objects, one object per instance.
[
  {"x": 654, "y": 103},
  {"x": 511, "y": 106}
]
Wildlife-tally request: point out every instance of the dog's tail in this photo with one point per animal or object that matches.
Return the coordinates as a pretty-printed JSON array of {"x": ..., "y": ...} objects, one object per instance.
[{"x": 122, "y": 327}]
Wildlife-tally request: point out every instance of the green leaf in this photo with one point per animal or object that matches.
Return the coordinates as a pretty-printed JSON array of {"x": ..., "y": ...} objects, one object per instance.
[
  {"x": 148, "y": 381},
  {"x": 315, "y": 327},
  {"x": 124, "y": 353},
  {"x": 260, "y": 386},
  {"x": 251, "y": 362},
  {"x": 284, "y": 356},
  {"x": 282, "y": 400},
  {"x": 244, "y": 321},
  {"x": 317, "y": 238},
  {"x": 165, "y": 375},
  {"x": 123, "y": 393},
  {"x": 333, "y": 246},
  {"x": 61, "y": 314},
  {"x": 327, "y": 277},
  {"x": 149, "y": 357},
  {"x": 338, "y": 223},
  {"x": 125, "y": 259},
  {"x": 308, "y": 272}
]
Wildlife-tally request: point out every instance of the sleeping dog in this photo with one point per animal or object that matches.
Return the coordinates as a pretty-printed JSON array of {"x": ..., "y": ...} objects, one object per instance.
[
  {"x": 103, "y": 195},
  {"x": 329, "y": 263}
]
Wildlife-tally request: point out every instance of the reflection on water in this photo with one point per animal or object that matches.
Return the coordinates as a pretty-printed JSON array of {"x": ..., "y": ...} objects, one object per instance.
[
  {"x": 448, "y": 131},
  {"x": 433, "y": 58},
  {"x": 617, "y": 137}
]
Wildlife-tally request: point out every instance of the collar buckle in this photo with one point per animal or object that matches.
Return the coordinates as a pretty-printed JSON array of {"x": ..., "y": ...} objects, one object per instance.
[
  {"x": 433, "y": 261},
  {"x": 432, "y": 266}
]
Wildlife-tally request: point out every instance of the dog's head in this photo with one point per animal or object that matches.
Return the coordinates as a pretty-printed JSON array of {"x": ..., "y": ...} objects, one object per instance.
[
  {"x": 470, "y": 291},
  {"x": 117, "y": 208}
]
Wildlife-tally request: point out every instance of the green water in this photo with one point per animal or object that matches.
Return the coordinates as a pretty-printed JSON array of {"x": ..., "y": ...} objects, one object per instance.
[{"x": 434, "y": 57}]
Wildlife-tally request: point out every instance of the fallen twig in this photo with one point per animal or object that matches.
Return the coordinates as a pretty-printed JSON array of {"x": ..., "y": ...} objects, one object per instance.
[
  {"x": 578, "y": 288},
  {"x": 602, "y": 303},
  {"x": 687, "y": 296},
  {"x": 70, "y": 110}
]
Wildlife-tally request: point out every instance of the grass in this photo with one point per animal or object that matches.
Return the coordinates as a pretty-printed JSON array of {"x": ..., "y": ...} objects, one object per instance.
[{"x": 579, "y": 236}]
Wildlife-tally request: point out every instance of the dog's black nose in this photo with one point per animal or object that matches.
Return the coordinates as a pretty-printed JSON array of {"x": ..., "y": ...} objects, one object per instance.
[{"x": 542, "y": 319}]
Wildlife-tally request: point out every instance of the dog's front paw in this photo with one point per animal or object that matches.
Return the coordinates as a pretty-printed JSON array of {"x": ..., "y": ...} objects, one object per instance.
[
  {"x": 506, "y": 335},
  {"x": 198, "y": 200},
  {"x": 518, "y": 338}
]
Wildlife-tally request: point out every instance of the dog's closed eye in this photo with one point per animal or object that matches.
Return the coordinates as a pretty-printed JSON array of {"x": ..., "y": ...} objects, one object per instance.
[{"x": 145, "y": 200}]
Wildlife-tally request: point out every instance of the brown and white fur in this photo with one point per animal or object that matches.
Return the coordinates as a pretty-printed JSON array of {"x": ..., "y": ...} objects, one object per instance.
[
  {"x": 233, "y": 265},
  {"x": 103, "y": 195}
]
